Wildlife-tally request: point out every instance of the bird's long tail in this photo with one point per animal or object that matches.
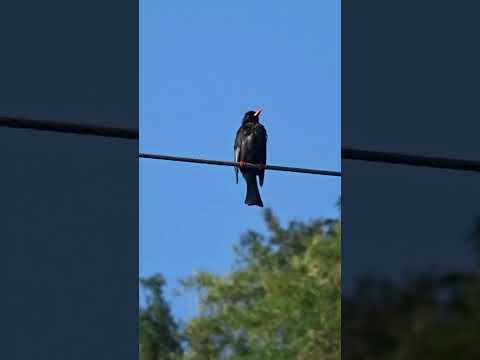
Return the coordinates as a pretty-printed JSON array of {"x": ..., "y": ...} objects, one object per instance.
[{"x": 253, "y": 195}]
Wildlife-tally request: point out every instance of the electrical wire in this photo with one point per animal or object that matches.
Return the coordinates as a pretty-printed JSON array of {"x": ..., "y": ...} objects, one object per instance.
[
  {"x": 346, "y": 153},
  {"x": 245, "y": 165}
]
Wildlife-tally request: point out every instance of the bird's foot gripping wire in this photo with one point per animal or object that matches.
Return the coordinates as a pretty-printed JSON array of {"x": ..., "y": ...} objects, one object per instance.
[{"x": 242, "y": 164}]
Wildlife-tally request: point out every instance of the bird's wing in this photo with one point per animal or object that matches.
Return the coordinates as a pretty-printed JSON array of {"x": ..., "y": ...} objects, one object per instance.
[
  {"x": 235, "y": 158},
  {"x": 236, "y": 152},
  {"x": 262, "y": 151}
]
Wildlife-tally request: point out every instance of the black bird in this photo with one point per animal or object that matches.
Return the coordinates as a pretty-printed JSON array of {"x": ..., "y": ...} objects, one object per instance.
[{"x": 251, "y": 147}]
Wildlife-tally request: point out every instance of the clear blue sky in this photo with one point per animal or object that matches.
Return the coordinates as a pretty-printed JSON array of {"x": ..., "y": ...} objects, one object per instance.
[{"x": 203, "y": 64}]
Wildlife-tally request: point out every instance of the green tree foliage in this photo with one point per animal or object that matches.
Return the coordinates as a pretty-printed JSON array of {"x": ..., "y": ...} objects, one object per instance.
[
  {"x": 159, "y": 337},
  {"x": 281, "y": 301}
]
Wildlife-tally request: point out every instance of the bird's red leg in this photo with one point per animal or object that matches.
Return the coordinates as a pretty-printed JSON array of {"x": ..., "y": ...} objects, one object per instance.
[{"x": 242, "y": 164}]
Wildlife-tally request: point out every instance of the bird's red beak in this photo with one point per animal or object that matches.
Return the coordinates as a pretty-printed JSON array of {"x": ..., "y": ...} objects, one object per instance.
[{"x": 258, "y": 112}]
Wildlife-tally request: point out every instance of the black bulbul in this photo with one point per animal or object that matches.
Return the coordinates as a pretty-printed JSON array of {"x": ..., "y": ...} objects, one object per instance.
[{"x": 251, "y": 147}]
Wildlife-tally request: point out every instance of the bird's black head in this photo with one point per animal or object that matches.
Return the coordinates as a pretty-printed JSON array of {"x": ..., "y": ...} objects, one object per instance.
[{"x": 252, "y": 116}]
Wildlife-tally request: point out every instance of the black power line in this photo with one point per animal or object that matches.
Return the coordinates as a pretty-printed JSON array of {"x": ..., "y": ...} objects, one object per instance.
[
  {"x": 67, "y": 127},
  {"x": 247, "y": 165},
  {"x": 347, "y": 153}
]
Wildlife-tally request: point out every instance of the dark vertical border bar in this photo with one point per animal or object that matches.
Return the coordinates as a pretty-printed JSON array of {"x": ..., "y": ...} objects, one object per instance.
[
  {"x": 410, "y": 258},
  {"x": 69, "y": 203}
]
